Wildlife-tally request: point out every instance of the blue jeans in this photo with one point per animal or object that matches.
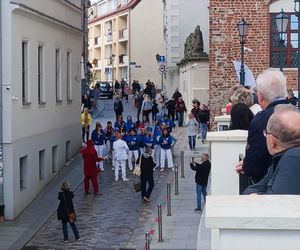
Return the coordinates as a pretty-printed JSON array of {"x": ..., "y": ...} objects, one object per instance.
[
  {"x": 65, "y": 229},
  {"x": 192, "y": 141},
  {"x": 200, "y": 190},
  {"x": 180, "y": 118},
  {"x": 203, "y": 129}
]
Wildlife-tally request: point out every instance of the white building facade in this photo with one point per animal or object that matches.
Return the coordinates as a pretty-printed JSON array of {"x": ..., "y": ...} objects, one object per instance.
[
  {"x": 180, "y": 19},
  {"x": 41, "y": 84}
]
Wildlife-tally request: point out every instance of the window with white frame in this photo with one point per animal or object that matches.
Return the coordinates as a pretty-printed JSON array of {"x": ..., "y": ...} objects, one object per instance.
[
  {"x": 69, "y": 76},
  {"x": 58, "y": 76},
  {"x": 25, "y": 85},
  {"x": 41, "y": 82}
]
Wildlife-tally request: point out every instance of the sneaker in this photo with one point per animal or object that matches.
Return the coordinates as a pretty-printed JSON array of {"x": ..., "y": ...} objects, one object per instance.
[
  {"x": 78, "y": 239},
  {"x": 98, "y": 193},
  {"x": 65, "y": 241},
  {"x": 130, "y": 169},
  {"x": 146, "y": 199},
  {"x": 113, "y": 168},
  {"x": 102, "y": 169},
  {"x": 116, "y": 179},
  {"x": 173, "y": 169},
  {"x": 86, "y": 193},
  {"x": 197, "y": 210},
  {"x": 125, "y": 179},
  {"x": 194, "y": 149},
  {"x": 162, "y": 170},
  {"x": 203, "y": 141}
]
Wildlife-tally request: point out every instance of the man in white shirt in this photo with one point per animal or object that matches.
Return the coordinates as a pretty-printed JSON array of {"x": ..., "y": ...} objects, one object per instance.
[{"x": 120, "y": 155}]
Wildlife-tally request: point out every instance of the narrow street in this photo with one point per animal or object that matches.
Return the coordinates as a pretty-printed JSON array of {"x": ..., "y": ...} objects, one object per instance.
[{"x": 107, "y": 221}]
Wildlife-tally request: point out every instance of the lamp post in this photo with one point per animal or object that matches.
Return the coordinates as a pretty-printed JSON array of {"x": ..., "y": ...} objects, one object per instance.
[
  {"x": 282, "y": 20},
  {"x": 242, "y": 29},
  {"x": 297, "y": 13}
]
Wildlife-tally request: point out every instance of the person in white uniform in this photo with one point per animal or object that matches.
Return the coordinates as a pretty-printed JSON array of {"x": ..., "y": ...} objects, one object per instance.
[{"x": 120, "y": 154}]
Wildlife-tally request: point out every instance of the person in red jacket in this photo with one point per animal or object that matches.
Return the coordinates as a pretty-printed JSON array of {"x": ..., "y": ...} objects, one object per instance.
[{"x": 91, "y": 170}]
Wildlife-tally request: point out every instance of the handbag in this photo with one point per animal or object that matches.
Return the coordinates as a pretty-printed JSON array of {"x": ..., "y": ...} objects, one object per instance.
[
  {"x": 137, "y": 186},
  {"x": 137, "y": 169},
  {"x": 71, "y": 216}
]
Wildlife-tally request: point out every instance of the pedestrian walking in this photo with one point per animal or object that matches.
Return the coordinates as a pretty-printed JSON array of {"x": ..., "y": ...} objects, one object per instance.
[
  {"x": 204, "y": 121},
  {"x": 126, "y": 91},
  {"x": 98, "y": 138},
  {"x": 133, "y": 145},
  {"x": 117, "y": 87},
  {"x": 201, "y": 178},
  {"x": 165, "y": 142},
  {"x": 161, "y": 100},
  {"x": 180, "y": 109},
  {"x": 157, "y": 148},
  {"x": 142, "y": 138},
  {"x": 129, "y": 124},
  {"x": 176, "y": 96},
  {"x": 66, "y": 208},
  {"x": 86, "y": 103},
  {"x": 120, "y": 154},
  {"x": 108, "y": 134},
  {"x": 91, "y": 171},
  {"x": 147, "y": 106},
  {"x": 138, "y": 104},
  {"x": 155, "y": 111},
  {"x": 86, "y": 120},
  {"x": 118, "y": 107},
  {"x": 171, "y": 109},
  {"x": 147, "y": 164},
  {"x": 123, "y": 83},
  {"x": 193, "y": 128}
]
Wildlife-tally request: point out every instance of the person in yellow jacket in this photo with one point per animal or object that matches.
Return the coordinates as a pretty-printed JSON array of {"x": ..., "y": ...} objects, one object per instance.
[{"x": 86, "y": 121}]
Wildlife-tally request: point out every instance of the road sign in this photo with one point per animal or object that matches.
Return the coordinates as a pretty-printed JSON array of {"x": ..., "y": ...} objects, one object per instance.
[
  {"x": 138, "y": 66},
  {"x": 107, "y": 70},
  {"x": 132, "y": 63},
  {"x": 162, "y": 69},
  {"x": 162, "y": 58}
]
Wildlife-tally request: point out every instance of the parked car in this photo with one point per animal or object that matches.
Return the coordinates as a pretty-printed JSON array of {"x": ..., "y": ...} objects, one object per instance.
[{"x": 106, "y": 89}]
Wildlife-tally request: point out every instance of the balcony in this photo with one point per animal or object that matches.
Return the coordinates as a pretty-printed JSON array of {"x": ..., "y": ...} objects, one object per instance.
[
  {"x": 123, "y": 60},
  {"x": 98, "y": 41},
  {"x": 123, "y": 34}
]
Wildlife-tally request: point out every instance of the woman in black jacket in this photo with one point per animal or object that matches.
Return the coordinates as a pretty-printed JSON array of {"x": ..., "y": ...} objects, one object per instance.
[
  {"x": 147, "y": 165},
  {"x": 66, "y": 207}
]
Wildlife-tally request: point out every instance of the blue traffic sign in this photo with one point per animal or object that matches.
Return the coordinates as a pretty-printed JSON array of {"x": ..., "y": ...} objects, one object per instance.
[{"x": 162, "y": 58}]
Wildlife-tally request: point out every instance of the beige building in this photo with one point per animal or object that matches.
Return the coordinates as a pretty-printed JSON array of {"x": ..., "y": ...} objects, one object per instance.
[{"x": 122, "y": 44}]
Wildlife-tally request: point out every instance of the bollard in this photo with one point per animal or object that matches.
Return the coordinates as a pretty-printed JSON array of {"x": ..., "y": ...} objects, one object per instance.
[
  {"x": 176, "y": 180},
  {"x": 182, "y": 163},
  {"x": 147, "y": 241},
  {"x": 160, "y": 238},
  {"x": 169, "y": 199}
]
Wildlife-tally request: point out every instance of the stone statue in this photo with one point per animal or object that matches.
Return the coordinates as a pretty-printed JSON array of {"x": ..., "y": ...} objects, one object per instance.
[{"x": 193, "y": 47}]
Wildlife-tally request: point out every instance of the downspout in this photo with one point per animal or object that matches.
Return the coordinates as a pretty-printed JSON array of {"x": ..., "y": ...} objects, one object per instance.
[{"x": 1, "y": 127}]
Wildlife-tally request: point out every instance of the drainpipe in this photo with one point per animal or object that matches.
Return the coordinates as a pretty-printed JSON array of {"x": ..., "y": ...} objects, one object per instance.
[{"x": 1, "y": 127}]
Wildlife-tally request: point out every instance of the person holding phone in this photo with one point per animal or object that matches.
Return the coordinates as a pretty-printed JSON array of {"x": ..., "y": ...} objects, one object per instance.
[{"x": 201, "y": 178}]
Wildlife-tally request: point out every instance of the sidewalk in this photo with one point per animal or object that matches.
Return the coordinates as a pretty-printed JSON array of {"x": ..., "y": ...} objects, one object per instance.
[
  {"x": 180, "y": 231},
  {"x": 15, "y": 234}
]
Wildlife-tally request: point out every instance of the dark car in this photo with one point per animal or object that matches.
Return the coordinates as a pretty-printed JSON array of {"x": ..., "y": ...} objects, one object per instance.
[{"x": 106, "y": 89}]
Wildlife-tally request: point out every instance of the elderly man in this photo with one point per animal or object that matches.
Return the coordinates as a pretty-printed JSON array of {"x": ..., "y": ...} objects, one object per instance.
[
  {"x": 271, "y": 91},
  {"x": 283, "y": 142}
]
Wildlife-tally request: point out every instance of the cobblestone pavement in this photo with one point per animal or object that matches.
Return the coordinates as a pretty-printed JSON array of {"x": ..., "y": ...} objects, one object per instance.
[{"x": 109, "y": 221}]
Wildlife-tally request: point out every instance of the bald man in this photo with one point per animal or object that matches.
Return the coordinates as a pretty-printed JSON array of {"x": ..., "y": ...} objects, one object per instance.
[{"x": 283, "y": 142}]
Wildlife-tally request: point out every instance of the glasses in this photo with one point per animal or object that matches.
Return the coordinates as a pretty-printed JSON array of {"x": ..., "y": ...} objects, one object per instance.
[{"x": 265, "y": 133}]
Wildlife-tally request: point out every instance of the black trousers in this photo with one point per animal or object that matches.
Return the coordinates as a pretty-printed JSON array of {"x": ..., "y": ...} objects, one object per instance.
[
  {"x": 171, "y": 115},
  {"x": 117, "y": 114},
  {"x": 85, "y": 131},
  {"x": 146, "y": 192}
]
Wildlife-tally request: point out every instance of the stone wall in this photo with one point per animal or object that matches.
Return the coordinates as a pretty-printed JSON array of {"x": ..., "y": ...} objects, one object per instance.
[{"x": 225, "y": 45}]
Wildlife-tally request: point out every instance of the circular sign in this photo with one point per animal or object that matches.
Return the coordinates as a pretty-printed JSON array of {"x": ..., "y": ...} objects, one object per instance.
[{"x": 162, "y": 68}]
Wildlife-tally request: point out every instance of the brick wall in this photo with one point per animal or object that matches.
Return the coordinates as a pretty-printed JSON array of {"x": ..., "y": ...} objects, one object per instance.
[{"x": 225, "y": 45}]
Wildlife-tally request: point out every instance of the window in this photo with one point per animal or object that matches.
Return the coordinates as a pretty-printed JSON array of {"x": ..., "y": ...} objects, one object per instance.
[
  {"x": 42, "y": 163},
  {"x": 68, "y": 152},
  {"x": 23, "y": 172},
  {"x": 54, "y": 159},
  {"x": 290, "y": 48},
  {"x": 69, "y": 74},
  {"x": 58, "y": 76},
  {"x": 41, "y": 92},
  {"x": 25, "y": 87}
]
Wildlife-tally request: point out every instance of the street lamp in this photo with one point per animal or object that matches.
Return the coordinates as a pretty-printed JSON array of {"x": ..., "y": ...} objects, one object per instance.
[
  {"x": 297, "y": 13},
  {"x": 282, "y": 20},
  {"x": 242, "y": 29}
]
